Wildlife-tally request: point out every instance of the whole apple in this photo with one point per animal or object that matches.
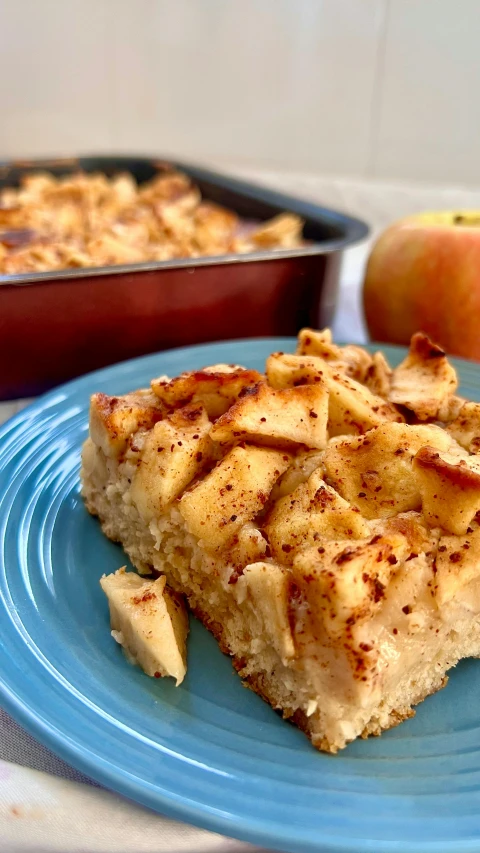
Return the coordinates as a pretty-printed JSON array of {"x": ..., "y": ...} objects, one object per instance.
[{"x": 424, "y": 274}]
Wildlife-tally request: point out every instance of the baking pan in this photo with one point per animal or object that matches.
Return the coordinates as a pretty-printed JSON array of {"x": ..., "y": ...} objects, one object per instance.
[{"x": 56, "y": 325}]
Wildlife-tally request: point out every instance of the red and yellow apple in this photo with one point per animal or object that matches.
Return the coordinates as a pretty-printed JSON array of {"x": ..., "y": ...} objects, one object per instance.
[{"x": 423, "y": 274}]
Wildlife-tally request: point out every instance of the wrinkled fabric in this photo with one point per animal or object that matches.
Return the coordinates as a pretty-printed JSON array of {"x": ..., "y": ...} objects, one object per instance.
[{"x": 42, "y": 813}]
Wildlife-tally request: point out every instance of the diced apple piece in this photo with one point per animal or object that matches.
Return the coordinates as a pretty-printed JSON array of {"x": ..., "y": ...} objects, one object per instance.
[
  {"x": 374, "y": 472},
  {"x": 425, "y": 380},
  {"x": 353, "y": 360},
  {"x": 309, "y": 340},
  {"x": 265, "y": 586},
  {"x": 290, "y": 371},
  {"x": 263, "y": 415},
  {"x": 232, "y": 494},
  {"x": 449, "y": 488},
  {"x": 310, "y": 514},
  {"x": 379, "y": 376},
  {"x": 114, "y": 419},
  {"x": 352, "y": 408},
  {"x": 216, "y": 387},
  {"x": 149, "y": 621},
  {"x": 466, "y": 427},
  {"x": 174, "y": 451},
  {"x": 331, "y": 582},
  {"x": 299, "y": 471},
  {"x": 247, "y": 546},
  {"x": 457, "y": 563},
  {"x": 450, "y": 409},
  {"x": 344, "y": 582}
]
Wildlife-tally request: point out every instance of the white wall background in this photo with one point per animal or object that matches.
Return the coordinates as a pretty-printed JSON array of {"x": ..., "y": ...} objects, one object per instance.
[{"x": 367, "y": 88}]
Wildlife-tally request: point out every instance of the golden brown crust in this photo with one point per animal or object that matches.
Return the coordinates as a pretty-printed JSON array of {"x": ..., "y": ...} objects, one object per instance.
[{"x": 397, "y": 716}]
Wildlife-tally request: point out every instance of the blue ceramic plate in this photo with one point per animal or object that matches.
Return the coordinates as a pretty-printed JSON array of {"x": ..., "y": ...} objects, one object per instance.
[{"x": 209, "y": 752}]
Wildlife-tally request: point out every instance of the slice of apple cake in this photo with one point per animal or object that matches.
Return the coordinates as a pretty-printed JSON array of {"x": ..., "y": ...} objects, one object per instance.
[{"x": 321, "y": 519}]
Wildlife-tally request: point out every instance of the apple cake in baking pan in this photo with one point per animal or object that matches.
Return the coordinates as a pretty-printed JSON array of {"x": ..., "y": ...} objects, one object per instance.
[
  {"x": 91, "y": 220},
  {"x": 319, "y": 518}
]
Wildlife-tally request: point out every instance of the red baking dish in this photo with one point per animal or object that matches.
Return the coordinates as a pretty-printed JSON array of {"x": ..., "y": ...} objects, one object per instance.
[{"x": 56, "y": 325}]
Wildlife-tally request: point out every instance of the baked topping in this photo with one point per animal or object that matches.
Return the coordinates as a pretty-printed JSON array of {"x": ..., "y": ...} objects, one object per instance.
[
  {"x": 90, "y": 220},
  {"x": 309, "y": 444}
]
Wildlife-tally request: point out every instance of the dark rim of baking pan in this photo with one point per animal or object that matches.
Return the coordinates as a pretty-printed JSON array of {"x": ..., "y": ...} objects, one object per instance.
[{"x": 352, "y": 230}]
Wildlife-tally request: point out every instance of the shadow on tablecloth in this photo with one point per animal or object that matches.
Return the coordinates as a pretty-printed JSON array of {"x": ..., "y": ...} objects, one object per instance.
[{"x": 18, "y": 746}]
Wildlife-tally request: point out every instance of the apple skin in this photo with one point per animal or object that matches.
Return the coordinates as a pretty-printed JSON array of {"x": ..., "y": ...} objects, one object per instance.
[{"x": 423, "y": 274}]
